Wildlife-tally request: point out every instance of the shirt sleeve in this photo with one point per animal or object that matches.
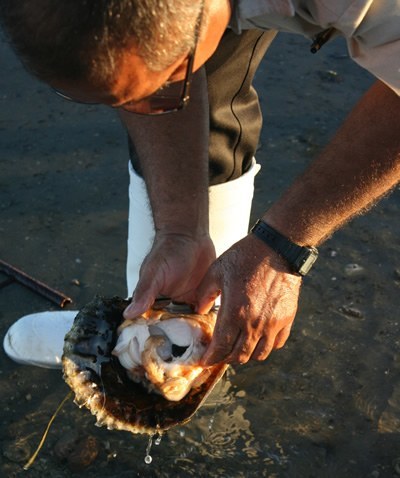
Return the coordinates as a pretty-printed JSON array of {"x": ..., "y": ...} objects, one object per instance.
[{"x": 375, "y": 42}]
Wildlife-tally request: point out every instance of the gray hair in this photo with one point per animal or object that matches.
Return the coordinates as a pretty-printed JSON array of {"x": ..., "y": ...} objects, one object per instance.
[{"x": 83, "y": 39}]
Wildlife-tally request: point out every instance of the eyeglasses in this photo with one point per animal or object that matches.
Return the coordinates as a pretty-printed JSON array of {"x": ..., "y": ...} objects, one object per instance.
[{"x": 168, "y": 99}]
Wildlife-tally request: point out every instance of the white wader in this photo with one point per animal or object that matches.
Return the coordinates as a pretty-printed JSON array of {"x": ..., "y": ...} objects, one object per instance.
[{"x": 229, "y": 216}]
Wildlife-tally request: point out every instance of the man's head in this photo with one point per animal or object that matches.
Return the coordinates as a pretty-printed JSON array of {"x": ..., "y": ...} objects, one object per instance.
[{"x": 88, "y": 45}]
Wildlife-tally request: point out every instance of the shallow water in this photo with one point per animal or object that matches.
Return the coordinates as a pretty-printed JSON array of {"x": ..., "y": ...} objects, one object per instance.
[{"x": 327, "y": 405}]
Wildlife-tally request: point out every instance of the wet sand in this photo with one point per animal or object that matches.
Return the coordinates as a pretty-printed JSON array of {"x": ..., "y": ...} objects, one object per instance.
[{"x": 327, "y": 405}]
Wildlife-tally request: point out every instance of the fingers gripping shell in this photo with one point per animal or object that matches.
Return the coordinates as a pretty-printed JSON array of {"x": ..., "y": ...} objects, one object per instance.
[{"x": 101, "y": 383}]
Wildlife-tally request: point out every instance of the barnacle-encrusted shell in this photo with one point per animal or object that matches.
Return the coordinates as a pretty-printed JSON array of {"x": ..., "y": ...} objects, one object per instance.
[{"x": 101, "y": 384}]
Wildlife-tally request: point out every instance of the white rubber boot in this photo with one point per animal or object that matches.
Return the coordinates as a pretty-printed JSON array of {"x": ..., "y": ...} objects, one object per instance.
[
  {"x": 140, "y": 228},
  {"x": 38, "y": 339},
  {"x": 229, "y": 206}
]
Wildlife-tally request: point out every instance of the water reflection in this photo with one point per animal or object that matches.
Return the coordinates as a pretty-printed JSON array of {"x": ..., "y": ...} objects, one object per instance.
[{"x": 221, "y": 435}]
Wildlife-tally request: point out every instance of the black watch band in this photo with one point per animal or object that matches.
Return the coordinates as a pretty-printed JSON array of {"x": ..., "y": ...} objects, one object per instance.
[{"x": 299, "y": 258}]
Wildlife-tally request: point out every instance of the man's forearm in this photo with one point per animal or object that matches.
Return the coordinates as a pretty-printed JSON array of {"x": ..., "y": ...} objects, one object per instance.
[
  {"x": 360, "y": 164},
  {"x": 173, "y": 154}
]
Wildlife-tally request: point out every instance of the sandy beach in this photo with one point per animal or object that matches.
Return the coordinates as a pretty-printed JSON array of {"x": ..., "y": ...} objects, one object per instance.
[{"x": 327, "y": 405}]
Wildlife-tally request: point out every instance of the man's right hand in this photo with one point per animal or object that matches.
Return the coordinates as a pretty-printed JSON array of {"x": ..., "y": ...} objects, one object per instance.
[{"x": 173, "y": 268}]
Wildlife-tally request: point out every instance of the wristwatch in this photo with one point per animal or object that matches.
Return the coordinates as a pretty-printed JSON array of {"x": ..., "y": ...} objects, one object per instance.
[{"x": 299, "y": 258}]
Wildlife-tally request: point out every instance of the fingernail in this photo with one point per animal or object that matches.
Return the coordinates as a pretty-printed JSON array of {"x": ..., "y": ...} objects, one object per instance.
[
  {"x": 130, "y": 311},
  {"x": 207, "y": 361}
]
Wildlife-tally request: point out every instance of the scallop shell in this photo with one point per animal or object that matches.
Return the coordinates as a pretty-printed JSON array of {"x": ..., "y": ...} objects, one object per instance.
[{"x": 102, "y": 385}]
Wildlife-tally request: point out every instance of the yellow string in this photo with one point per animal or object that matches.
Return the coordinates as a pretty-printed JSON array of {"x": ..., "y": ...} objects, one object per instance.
[{"x": 34, "y": 456}]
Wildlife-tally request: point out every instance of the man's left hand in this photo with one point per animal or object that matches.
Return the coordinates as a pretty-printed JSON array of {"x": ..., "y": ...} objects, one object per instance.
[{"x": 258, "y": 304}]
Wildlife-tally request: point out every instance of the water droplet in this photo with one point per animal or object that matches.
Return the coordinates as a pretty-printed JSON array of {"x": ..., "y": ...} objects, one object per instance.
[
  {"x": 210, "y": 423},
  {"x": 148, "y": 459}
]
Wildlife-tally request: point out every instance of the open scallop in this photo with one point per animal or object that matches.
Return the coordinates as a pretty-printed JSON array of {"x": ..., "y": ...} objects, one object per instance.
[{"x": 141, "y": 375}]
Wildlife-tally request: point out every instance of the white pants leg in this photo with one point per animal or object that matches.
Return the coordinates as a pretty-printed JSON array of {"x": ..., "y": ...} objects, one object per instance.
[{"x": 229, "y": 210}]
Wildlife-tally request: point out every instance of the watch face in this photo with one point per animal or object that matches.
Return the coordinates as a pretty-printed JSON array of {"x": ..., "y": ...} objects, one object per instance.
[{"x": 307, "y": 261}]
